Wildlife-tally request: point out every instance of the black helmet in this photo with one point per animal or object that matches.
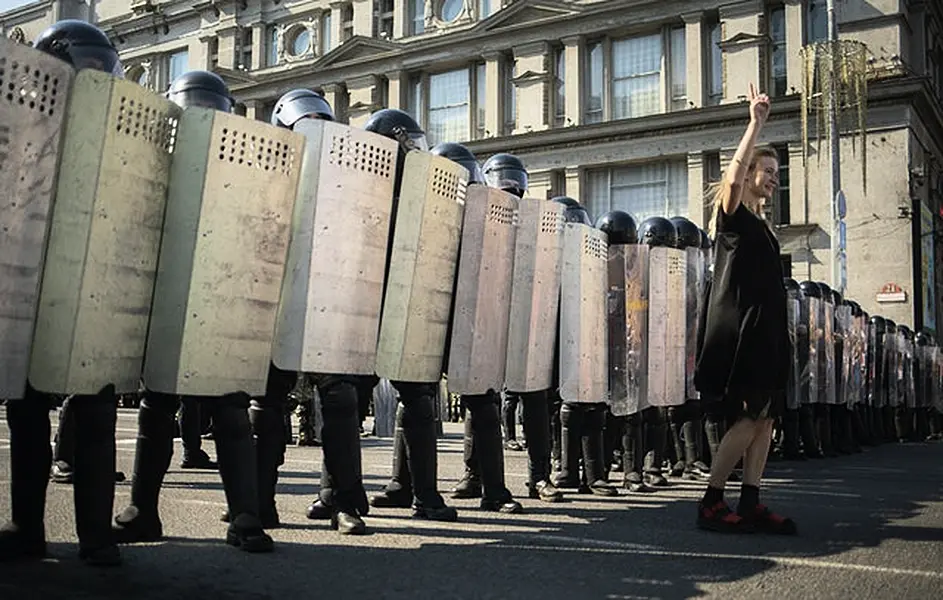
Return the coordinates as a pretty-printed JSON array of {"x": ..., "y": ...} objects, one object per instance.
[
  {"x": 791, "y": 285},
  {"x": 836, "y": 298},
  {"x": 298, "y": 104},
  {"x": 908, "y": 334},
  {"x": 619, "y": 226},
  {"x": 855, "y": 308},
  {"x": 397, "y": 125},
  {"x": 200, "y": 88},
  {"x": 574, "y": 211},
  {"x": 506, "y": 172},
  {"x": 826, "y": 291},
  {"x": 878, "y": 323},
  {"x": 810, "y": 289},
  {"x": 890, "y": 325},
  {"x": 460, "y": 154},
  {"x": 657, "y": 231},
  {"x": 82, "y": 45},
  {"x": 689, "y": 235},
  {"x": 706, "y": 243},
  {"x": 923, "y": 338}
]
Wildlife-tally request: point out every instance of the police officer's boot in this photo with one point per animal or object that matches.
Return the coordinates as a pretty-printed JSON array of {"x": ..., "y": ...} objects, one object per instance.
[
  {"x": 922, "y": 424},
  {"x": 633, "y": 456},
  {"x": 419, "y": 431},
  {"x": 190, "y": 422},
  {"x": 715, "y": 428},
  {"x": 901, "y": 425},
  {"x": 306, "y": 434},
  {"x": 791, "y": 436},
  {"x": 691, "y": 432},
  {"x": 656, "y": 439},
  {"x": 536, "y": 408},
  {"x": 861, "y": 423},
  {"x": 265, "y": 416},
  {"x": 571, "y": 440},
  {"x": 841, "y": 420},
  {"x": 555, "y": 404},
  {"x": 594, "y": 458},
  {"x": 140, "y": 521},
  {"x": 93, "y": 483},
  {"x": 24, "y": 537},
  {"x": 485, "y": 413},
  {"x": 934, "y": 423},
  {"x": 674, "y": 421},
  {"x": 399, "y": 491},
  {"x": 340, "y": 436},
  {"x": 63, "y": 452},
  {"x": 612, "y": 448},
  {"x": 890, "y": 424},
  {"x": 823, "y": 426},
  {"x": 470, "y": 484},
  {"x": 509, "y": 422},
  {"x": 808, "y": 433}
]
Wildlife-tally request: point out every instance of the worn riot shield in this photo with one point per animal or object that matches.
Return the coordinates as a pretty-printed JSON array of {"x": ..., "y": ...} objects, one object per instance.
[
  {"x": 816, "y": 363},
  {"x": 937, "y": 377},
  {"x": 35, "y": 91},
  {"x": 420, "y": 284},
  {"x": 628, "y": 329},
  {"x": 894, "y": 368},
  {"x": 584, "y": 350},
  {"x": 694, "y": 279},
  {"x": 793, "y": 326},
  {"x": 877, "y": 364},
  {"x": 907, "y": 372},
  {"x": 229, "y": 208},
  {"x": 478, "y": 350},
  {"x": 859, "y": 361},
  {"x": 104, "y": 238},
  {"x": 844, "y": 341},
  {"x": 666, "y": 326},
  {"x": 535, "y": 296},
  {"x": 329, "y": 315},
  {"x": 829, "y": 373}
]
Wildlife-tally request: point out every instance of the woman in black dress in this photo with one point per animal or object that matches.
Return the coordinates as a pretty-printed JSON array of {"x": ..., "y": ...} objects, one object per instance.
[{"x": 744, "y": 344}]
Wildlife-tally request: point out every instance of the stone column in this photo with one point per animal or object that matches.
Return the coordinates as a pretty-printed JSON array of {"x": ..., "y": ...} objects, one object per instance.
[
  {"x": 493, "y": 114},
  {"x": 335, "y": 94},
  {"x": 364, "y": 99},
  {"x": 532, "y": 87},
  {"x": 695, "y": 58},
  {"x": 573, "y": 91},
  {"x": 794, "y": 27},
  {"x": 227, "y": 46},
  {"x": 201, "y": 55},
  {"x": 253, "y": 109},
  {"x": 538, "y": 184},
  {"x": 573, "y": 177},
  {"x": 363, "y": 17},
  {"x": 398, "y": 84},
  {"x": 258, "y": 46},
  {"x": 741, "y": 48},
  {"x": 337, "y": 25},
  {"x": 696, "y": 210}
]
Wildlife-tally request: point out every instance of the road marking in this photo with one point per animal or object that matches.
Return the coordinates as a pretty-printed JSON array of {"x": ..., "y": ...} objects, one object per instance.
[{"x": 607, "y": 547}]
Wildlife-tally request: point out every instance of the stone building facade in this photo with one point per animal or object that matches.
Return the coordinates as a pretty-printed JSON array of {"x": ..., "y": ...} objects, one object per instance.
[{"x": 630, "y": 104}]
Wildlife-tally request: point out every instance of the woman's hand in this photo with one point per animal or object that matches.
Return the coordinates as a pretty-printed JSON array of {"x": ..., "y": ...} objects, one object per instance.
[{"x": 759, "y": 106}]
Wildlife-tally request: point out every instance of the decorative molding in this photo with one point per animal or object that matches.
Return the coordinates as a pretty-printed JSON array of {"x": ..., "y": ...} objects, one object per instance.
[{"x": 17, "y": 36}]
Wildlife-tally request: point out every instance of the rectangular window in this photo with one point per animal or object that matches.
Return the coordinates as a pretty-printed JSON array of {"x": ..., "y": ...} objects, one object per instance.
[
  {"x": 816, "y": 21},
  {"x": 484, "y": 9},
  {"x": 781, "y": 202},
  {"x": 347, "y": 22},
  {"x": 715, "y": 64},
  {"x": 777, "y": 55},
  {"x": 658, "y": 189},
  {"x": 417, "y": 17},
  {"x": 415, "y": 98},
  {"x": 636, "y": 77},
  {"x": 383, "y": 19},
  {"x": 594, "y": 83},
  {"x": 712, "y": 174},
  {"x": 559, "y": 81},
  {"x": 481, "y": 100},
  {"x": 178, "y": 63},
  {"x": 678, "y": 70},
  {"x": 213, "y": 51},
  {"x": 509, "y": 65},
  {"x": 449, "y": 107},
  {"x": 272, "y": 46},
  {"x": 265, "y": 113},
  {"x": 245, "y": 54},
  {"x": 325, "y": 33}
]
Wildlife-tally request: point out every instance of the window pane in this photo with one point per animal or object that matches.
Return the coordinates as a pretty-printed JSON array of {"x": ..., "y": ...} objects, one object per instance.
[
  {"x": 417, "y": 16},
  {"x": 326, "y": 33},
  {"x": 596, "y": 196},
  {"x": 817, "y": 21},
  {"x": 414, "y": 98},
  {"x": 448, "y": 107},
  {"x": 178, "y": 65},
  {"x": 273, "y": 47},
  {"x": 777, "y": 18},
  {"x": 716, "y": 65},
  {"x": 645, "y": 190},
  {"x": 636, "y": 77},
  {"x": 481, "y": 97},
  {"x": 595, "y": 79},
  {"x": 484, "y": 8},
  {"x": 679, "y": 88},
  {"x": 301, "y": 43},
  {"x": 510, "y": 96},
  {"x": 782, "y": 196},
  {"x": 560, "y": 82}
]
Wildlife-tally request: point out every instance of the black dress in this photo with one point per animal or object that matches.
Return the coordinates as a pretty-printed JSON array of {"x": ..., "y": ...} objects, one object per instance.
[{"x": 743, "y": 342}]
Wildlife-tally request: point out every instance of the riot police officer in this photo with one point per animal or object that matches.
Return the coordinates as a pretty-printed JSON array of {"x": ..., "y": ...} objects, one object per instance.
[
  {"x": 415, "y": 418},
  {"x": 93, "y": 417},
  {"x": 140, "y": 521}
]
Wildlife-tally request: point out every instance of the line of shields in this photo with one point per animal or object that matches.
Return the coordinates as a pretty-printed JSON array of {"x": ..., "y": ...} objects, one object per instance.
[{"x": 887, "y": 377}]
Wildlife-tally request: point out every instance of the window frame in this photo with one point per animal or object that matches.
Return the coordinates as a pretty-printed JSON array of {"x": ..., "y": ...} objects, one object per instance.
[
  {"x": 418, "y": 92},
  {"x": 666, "y": 163}
]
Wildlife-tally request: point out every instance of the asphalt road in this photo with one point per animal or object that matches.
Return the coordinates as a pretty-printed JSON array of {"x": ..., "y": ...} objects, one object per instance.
[{"x": 871, "y": 526}]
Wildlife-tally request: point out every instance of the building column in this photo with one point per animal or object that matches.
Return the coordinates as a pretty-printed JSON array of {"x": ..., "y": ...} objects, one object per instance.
[
  {"x": 398, "y": 84},
  {"x": 532, "y": 87},
  {"x": 227, "y": 46},
  {"x": 363, "y": 17},
  {"x": 258, "y": 46},
  {"x": 493, "y": 115},
  {"x": 253, "y": 109},
  {"x": 795, "y": 25},
  {"x": 201, "y": 55},
  {"x": 573, "y": 177},
  {"x": 337, "y": 24},
  {"x": 335, "y": 94},
  {"x": 696, "y": 207},
  {"x": 741, "y": 48},
  {"x": 364, "y": 96},
  {"x": 573, "y": 92},
  {"x": 694, "y": 49}
]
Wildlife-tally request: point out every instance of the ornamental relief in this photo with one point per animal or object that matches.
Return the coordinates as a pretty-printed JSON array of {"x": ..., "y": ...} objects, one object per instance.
[
  {"x": 442, "y": 15},
  {"x": 298, "y": 41},
  {"x": 17, "y": 36}
]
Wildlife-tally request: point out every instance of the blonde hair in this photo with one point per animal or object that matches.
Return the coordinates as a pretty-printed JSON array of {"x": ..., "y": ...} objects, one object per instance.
[{"x": 719, "y": 191}]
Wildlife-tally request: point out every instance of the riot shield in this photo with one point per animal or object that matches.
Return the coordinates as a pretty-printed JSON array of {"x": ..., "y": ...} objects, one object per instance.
[
  {"x": 694, "y": 279},
  {"x": 229, "y": 206},
  {"x": 478, "y": 350},
  {"x": 329, "y": 314},
  {"x": 877, "y": 362},
  {"x": 584, "y": 350},
  {"x": 793, "y": 384},
  {"x": 859, "y": 362},
  {"x": 828, "y": 335},
  {"x": 843, "y": 345},
  {"x": 894, "y": 375},
  {"x": 907, "y": 372},
  {"x": 628, "y": 329},
  {"x": 535, "y": 296},
  {"x": 666, "y": 326},
  {"x": 104, "y": 238},
  {"x": 35, "y": 89},
  {"x": 816, "y": 362},
  {"x": 937, "y": 384},
  {"x": 419, "y": 288}
]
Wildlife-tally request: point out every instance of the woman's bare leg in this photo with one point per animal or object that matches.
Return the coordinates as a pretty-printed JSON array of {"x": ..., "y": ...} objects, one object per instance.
[
  {"x": 754, "y": 461},
  {"x": 731, "y": 450}
]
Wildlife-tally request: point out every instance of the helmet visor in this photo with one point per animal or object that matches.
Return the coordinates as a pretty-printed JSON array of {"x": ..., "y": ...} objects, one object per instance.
[
  {"x": 509, "y": 180},
  {"x": 203, "y": 98},
  {"x": 98, "y": 58},
  {"x": 419, "y": 139}
]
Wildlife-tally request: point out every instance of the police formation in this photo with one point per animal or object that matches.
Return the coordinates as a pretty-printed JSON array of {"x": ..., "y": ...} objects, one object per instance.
[{"x": 220, "y": 261}]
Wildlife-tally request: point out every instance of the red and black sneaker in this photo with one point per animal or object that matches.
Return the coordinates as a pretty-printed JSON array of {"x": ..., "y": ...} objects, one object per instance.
[
  {"x": 720, "y": 518},
  {"x": 766, "y": 521}
]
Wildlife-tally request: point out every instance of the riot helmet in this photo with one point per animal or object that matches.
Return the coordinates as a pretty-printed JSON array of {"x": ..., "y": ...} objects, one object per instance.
[
  {"x": 836, "y": 298},
  {"x": 82, "y": 45},
  {"x": 688, "y": 234},
  {"x": 460, "y": 154},
  {"x": 299, "y": 104},
  {"x": 200, "y": 88},
  {"x": 657, "y": 231},
  {"x": 810, "y": 289},
  {"x": 706, "y": 243},
  {"x": 923, "y": 338},
  {"x": 826, "y": 291},
  {"x": 908, "y": 334},
  {"x": 791, "y": 285},
  {"x": 855, "y": 308},
  {"x": 574, "y": 211},
  {"x": 890, "y": 326},
  {"x": 506, "y": 172},
  {"x": 878, "y": 323},
  {"x": 398, "y": 125},
  {"x": 619, "y": 226}
]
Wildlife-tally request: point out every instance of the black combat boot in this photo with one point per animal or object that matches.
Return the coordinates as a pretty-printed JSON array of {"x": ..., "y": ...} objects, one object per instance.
[
  {"x": 93, "y": 484},
  {"x": 675, "y": 417},
  {"x": 399, "y": 491},
  {"x": 266, "y": 421},
  {"x": 691, "y": 433},
  {"x": 484, "y": 411},
  {"x": 140, "y": 521},
  {"x": 536, "y": 407},
  {"x": 191, "y": 430},
  {"x": 594, "y": 459},
  {"x": 823, "y": 426},
  {"x": 63, "y": 452},
  {"x": 633, "y": 456},
  {"x": 470, "y": 484},
  {"x": 341, "y": 438},
  {"x": 571, "y": 441},
  {"x": 791, "y": 436},
  {"x": 807, "y": 430},
  {"x": 656, "y": 439},
  {"x": 24, "y": 537}
]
